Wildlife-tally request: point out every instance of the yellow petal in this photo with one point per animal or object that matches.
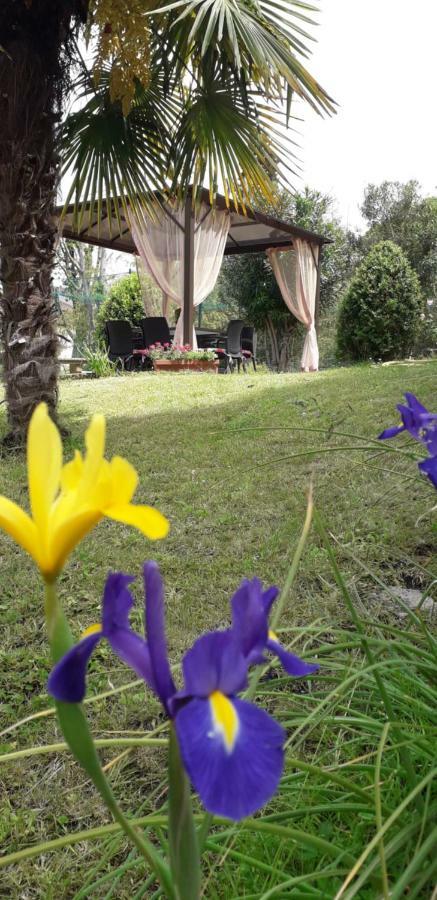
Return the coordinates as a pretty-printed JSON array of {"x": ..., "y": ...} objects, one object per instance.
[
  {"x": 19, "y": 526},
  {"x": 72, "y": 473},
  {"x": 95, "y": 448},
  {"x": 99, "y": 496},
  {"x": 44, "y": 463},
  {"x": 124, "y": 480},
  {"x": 66, "y": 537},
  {"x": 148, "y": 520}
]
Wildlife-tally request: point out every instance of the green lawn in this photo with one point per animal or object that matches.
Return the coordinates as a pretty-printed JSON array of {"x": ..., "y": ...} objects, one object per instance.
[{"x": 228, "y": 460}]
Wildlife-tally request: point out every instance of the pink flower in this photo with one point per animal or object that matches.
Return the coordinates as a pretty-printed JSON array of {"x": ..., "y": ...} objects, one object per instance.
[{"x": 152, "y": 347}]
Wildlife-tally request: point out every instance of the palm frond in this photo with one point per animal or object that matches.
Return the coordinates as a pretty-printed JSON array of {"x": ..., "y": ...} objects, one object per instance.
[
  {"x": 217, "y": 143},
  {"x": 114, "y": 159},
  {"x": 222, "y": 77},
  {"x": 262, "y": 40}
]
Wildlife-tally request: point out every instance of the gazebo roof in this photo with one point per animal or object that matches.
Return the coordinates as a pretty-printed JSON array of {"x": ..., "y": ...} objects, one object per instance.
[{"x": 250, "y": 233}]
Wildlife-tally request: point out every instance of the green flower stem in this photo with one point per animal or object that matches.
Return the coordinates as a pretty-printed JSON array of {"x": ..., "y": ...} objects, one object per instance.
[
  {"x": 75, "y": 729},
  {"x": 58, "y": 630},
  {"x": 184, "y": 846},
  {"x": 289, "y": 581}
]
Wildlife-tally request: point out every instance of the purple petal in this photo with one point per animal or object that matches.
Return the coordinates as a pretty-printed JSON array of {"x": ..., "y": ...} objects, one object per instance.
[
  {"x": 292, "y": 664},
  {"x": 430, "y": 439},
  {"x": 67, "y": 680},
  {"x": 414, "y": 404},
  {"x": 412, "y": 421},
  {"x": 269, "y": 597},
  {"x": 231, "y": 782},
  {"x": 391, "y": 432},
  {"x": 249, "y": 619},
  {"x": 214, "y": 663},
  {"x": 417, "y": 420},
  {"x": 155, "y": 624},
  {"x": 134, "y": 651},
  {"x": 429, "y": 467},
  {"x": 117, "y": 602}
]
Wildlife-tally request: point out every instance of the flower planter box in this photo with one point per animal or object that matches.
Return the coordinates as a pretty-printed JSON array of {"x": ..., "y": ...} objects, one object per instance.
[{"x": 181, "y": 365}]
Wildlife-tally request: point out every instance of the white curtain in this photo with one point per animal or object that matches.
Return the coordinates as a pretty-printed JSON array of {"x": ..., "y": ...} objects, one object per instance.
[
  {"x": 295, "y": 270},
  {"x": 160, "y": 244}
]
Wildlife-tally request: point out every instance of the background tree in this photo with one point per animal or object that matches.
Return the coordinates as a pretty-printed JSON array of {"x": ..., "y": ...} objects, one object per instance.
[
  {"x": 84, "y": 273},
  {"x": 248, "y": 283},
  {"x": 177, "y": 95},
  {"x": 151, "y": 293},
  {"x": 124, "y": 301},
  {"x": 381, "y": 311},
  {"x": 399, "y": 212}
]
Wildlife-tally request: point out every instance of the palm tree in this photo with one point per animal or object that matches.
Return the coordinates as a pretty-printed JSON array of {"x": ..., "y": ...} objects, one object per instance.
[{"x": 206, "y": 101}]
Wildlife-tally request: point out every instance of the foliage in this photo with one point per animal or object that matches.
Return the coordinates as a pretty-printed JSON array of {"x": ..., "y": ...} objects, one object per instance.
[
  {"x": 206, "y": 100},
  {"x": 248, "y": 280},
  {"x": 380, "y": 312},
  {"x": 83, "y": 271},
  {"x": 398, "y": 212},
  {"x": 198, "y": 113},
  {"x": 98, "y": 361},
  {"x": 124, "y": 301},
  {"x": 426, "y": 340},
  {"x": 123, "y": 39},
  {"x": 151, "y": 293}
]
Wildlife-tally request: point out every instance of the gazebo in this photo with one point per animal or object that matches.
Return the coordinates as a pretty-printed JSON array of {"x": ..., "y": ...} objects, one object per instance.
[{"x": 182, "y": 247}]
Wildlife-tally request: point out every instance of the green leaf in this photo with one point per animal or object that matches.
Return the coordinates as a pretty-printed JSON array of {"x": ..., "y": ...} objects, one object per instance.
[
  {"x": 77, "y": 734},
  {"x": 184, "y": 849}
]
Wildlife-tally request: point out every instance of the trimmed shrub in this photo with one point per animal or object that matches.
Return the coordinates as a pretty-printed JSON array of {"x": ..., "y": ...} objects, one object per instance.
[
  {"x": 124, "y": 301},
  {"x": 380, "y": 313}
]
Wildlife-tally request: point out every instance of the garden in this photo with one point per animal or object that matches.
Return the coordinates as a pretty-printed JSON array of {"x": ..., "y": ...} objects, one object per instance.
[
  {"x": 218, "y": 604},
  {"x": 231, "y": 463}
]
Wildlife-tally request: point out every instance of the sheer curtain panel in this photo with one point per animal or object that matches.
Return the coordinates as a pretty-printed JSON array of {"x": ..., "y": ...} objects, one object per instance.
[
  {"x": 295, "y": 270},
  {"x": 160, "y": 243}
]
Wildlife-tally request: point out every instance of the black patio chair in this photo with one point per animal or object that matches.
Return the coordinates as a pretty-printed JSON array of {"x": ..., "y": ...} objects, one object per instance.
[
  {"x": 231, "y": 345},
  {"x": 137, "y": 336},
  {"x": 120, "y": 345},
  {"x": 248, "y": 344},
  {"x": 155, "y": 331}
]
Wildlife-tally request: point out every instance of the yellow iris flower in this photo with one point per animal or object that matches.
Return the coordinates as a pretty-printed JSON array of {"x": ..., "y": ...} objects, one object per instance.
[{"x": 67, "y": 501}]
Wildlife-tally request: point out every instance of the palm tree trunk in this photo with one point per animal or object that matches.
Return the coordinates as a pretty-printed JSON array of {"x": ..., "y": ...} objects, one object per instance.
[
  {"x": 35, "y": 43},
  {"x": 28, "y": 181}
]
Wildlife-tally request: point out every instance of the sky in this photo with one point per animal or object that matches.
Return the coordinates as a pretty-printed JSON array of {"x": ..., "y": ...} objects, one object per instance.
[{"x": 377, "y": 59}]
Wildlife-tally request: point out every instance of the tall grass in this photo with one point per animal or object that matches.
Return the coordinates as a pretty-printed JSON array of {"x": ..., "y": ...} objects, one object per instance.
[{"x": 356, "y": 812}]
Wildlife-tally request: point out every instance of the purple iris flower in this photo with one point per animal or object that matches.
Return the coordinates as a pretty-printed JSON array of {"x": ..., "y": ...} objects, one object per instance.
[
  {"x": 250, "y": 623},
  {"x": 67, "y": 680},
  {"x": 231, "y": 749},
  {"x": 421, "y": 424}
]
